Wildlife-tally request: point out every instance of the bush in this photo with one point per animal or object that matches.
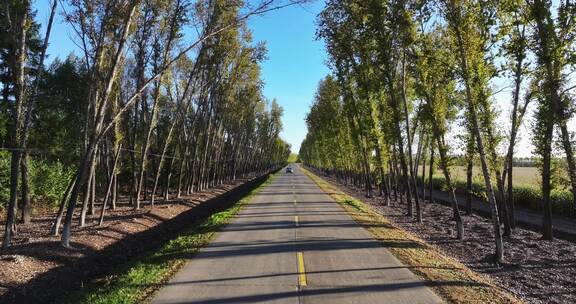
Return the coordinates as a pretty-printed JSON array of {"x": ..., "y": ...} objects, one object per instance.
[
  {"x": 561, "y": 202},
  {"x": 527, "y": 197},
  {"x": 478, "y": 189},
  {"x": 4, "y": 178},
  {"x": 439, "y": 183},
  {"x": 47, "y": 181}
]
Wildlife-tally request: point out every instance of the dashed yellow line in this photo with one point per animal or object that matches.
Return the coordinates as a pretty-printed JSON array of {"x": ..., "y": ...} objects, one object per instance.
[
  {"x": 301, "y": 270},
  {"x": 296, "y": 221}
]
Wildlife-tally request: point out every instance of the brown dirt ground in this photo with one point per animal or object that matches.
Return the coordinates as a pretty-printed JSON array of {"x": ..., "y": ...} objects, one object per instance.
[
  {"x": 535, "y": 270},
  {"x": 36, "y": 260}
]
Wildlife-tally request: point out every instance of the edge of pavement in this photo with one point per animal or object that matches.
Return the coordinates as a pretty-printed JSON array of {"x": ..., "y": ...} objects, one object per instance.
[{"x": 453, "y": 281}]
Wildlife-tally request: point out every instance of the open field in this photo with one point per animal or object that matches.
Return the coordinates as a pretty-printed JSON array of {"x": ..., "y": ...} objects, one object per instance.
[
  {"x": 527, "y": 188},
  {"x": 523, "y": 176}
]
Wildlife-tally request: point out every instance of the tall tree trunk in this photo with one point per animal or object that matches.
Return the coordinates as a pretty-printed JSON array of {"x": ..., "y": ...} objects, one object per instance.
[
  {"x": 26, "y": 208},
  {"x": 114, "y": 198},
  {"x": 181, "y": 170},
  {"x": 168, "y": 179},
  {"x": 431, "y": 173},
  {"x": 516, "y": 117},
  {"x": 404, "y": 166},
  {"x": 502, "y": 198},
  {"x": 394, "y": 168},
  {"x": 88, "y": 192},
  {"x": 56, "y": 225},
  {"x": 442, "y": 149},
  {"x": 547, "y": 229},
  {"x": 18, "y": 20},
  {"x": 470, "y": 148},
  {"x": 10, "y": 226},
  {"x": 146, "y": 147},
  {"x": 409, "y": 144},
  {"x": 89, "y": 153},
  {"x": 381, "y": 172},
  {"x": 162, "y": 159},
  {"x": 93, "y": 190},
  {"x": 110, "y": 185},
  {"x": 548, "y": 56},
  {"x": 475, "y": 128},
  {"x": 469, "y": 174},
  {"x": 424, "y": 175}
]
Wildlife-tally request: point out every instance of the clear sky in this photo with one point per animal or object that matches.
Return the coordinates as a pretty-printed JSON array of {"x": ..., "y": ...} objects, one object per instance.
[
  {"x": 295, "y": 65},
  {"x": 291, "y": 74}
]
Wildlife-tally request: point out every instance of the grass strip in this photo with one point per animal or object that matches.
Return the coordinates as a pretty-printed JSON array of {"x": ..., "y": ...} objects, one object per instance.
[
  {"x": 141, "y": 278},
  {"x": 450, "y": 279}
]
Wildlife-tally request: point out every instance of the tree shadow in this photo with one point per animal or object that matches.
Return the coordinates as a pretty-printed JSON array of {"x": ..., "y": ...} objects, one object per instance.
[
  {"x": 57, "y": 283},
  {"x": 385, "y": 289}
]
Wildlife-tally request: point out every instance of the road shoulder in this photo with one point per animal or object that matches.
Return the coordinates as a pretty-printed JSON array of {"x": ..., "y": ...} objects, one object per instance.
[{"x": 452, "y": 280}]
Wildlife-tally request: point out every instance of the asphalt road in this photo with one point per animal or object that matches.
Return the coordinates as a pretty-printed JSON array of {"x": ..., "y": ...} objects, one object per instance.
[{"x": 293, "y": 244}]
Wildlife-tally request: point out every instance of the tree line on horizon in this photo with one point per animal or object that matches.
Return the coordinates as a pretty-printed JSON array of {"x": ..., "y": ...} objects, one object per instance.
[
  {"x": 164, "y": 99},
  {"x": 404, "y": 73}
]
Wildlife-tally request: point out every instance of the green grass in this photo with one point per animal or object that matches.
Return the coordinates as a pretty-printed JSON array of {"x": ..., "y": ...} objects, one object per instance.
[
  {"x": 141, "y": 278},
  {"x": 354, "y": 203}
]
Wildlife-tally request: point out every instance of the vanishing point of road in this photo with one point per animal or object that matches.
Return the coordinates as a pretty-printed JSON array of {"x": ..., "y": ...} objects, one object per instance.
[{"x": 293, "y": 244}]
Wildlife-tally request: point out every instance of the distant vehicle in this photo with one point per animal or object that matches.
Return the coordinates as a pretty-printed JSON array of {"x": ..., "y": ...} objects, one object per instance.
[{"x": 289, "y": 170}]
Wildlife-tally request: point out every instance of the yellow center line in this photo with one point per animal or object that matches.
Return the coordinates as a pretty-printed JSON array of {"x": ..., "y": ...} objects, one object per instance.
[
  {"x": 296, "y": 221},
  {"x": 301, "y": 270}
]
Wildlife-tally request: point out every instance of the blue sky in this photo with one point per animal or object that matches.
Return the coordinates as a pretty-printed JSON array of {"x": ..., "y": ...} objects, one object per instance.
[
  {"x": 291, "y": 74},
  {"x": 295, "y": 63}
]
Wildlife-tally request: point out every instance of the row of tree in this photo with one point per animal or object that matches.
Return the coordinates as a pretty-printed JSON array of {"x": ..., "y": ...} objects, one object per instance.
[
  {"x": 143, "y": 112},
  {"x": 406, "y": 72}
]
